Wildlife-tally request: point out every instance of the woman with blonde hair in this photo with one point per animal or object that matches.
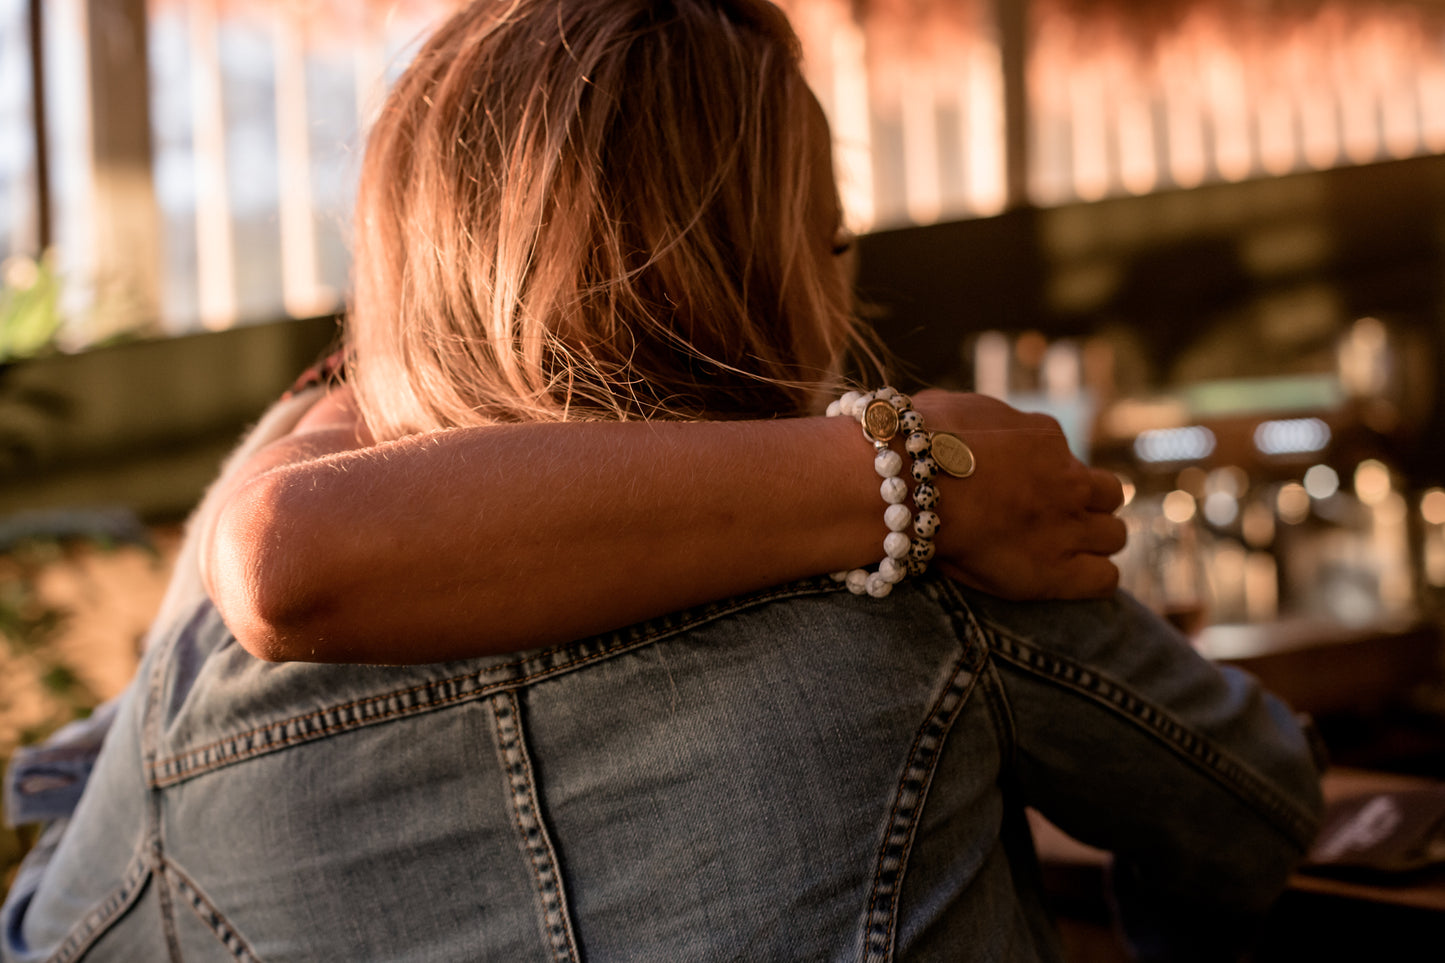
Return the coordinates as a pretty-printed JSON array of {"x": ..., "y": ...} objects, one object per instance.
[
  {"x": 575, "y": 310},
  {"x": 589, "y": 227}
]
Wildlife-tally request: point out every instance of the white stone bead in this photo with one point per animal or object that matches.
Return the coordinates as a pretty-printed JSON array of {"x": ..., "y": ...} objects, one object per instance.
[
  {"x": 860, "y": 405},
  {"x": 857, "y": 581},
  {"x": 917, "y": 442},
  {"x": 910, "y": 420},
  {"x": 845, "y": 403},
  {"x": 897, "y": 517},
  {"x": 878, "y": 586},
  {"x": 894, "y": 490},
  {"x": 888, "y": 463},
  {"x": 839, "y": 576},
  {"x": 924, "y": 468},
  {"x": 892, "y": 569},
  {"x": 925, "y": 496},
  {"x": 926, "y": 524},
  {"x": 896, "y": 544},
  {"x": 835, "y": 408}
]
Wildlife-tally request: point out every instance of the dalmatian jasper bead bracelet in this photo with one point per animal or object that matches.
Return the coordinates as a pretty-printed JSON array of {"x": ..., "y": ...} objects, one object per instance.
[{"x": 886, "y": 414}]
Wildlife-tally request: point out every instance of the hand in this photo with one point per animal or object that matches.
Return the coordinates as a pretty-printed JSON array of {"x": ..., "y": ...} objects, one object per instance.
[{"x": 1033, "y": 521}]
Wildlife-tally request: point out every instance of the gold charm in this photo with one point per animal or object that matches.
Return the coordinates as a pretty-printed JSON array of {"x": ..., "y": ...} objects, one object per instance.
[
  {"x": 953, "y": 455},
  {"x": 880, "y": 420}
]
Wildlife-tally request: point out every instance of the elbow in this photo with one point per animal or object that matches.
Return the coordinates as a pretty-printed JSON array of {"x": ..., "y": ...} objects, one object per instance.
[{"x": 258, "y": 573}]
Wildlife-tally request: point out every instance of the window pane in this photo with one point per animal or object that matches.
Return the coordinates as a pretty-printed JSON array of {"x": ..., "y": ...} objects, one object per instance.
[
  {"x": 257, "y": 113},
  {"x": 248, "y": 104},
  {"x": 67, "y": 125},
  {"x": 174, "y": 166},
  {"x": 914, "y": 94},
  {"x": 18, "y": 204},
  {"x": 1126, "y": 100}
]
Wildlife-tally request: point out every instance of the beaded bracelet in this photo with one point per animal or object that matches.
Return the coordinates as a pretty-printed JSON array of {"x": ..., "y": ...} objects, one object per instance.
[{"x": 883, "y": 413}]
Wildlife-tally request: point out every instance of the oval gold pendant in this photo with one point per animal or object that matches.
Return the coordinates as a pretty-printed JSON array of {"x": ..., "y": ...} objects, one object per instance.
[
  {"x": 880, "y": 420},
  {"x": 953, "y": 454}
]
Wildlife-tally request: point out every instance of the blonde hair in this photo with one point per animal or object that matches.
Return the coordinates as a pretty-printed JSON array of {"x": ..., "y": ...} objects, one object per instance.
[{"x": 599, "y": 209}]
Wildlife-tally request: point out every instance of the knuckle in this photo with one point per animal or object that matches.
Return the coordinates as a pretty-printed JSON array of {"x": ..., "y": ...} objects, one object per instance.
[{"x": 1044, "y": 422}]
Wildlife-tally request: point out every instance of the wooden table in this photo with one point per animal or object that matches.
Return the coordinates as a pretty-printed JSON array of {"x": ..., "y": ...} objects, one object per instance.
[
  {"x": 1317, "y": 917},
  {"x": 1323, "y": 668}
]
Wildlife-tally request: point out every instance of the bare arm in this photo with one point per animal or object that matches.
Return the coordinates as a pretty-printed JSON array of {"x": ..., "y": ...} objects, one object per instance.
[{"x": 473, "y": 541}]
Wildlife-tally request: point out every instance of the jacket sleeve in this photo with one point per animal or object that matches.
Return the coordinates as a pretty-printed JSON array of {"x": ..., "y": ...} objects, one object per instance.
[{"x": 1205, "y": 787}]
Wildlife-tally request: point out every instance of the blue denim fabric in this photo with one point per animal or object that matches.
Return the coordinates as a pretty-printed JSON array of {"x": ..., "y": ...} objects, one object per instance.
[
  {"x": 44, "y": 782},
  {"x": 798, "y": 775}
]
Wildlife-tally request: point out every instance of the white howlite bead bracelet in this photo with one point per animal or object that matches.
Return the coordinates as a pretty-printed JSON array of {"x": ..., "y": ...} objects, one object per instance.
[{"x": 884, "y": 415}]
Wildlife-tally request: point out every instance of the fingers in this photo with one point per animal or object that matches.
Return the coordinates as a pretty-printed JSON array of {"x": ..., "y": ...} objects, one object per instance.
[
  {"x": 1089, "y": 577},
  {"x": 1106, "y": 492},
  {"x": 1103, "y": 534},
  {"x": 1082, "y": 576}
]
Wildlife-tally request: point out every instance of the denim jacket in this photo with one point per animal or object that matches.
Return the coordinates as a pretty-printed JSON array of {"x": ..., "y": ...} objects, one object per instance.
[{"x": 797, "y": 775}]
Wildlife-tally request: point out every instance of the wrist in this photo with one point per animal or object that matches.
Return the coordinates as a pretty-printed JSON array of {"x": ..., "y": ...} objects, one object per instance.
[{"x": 887, "y": 417}]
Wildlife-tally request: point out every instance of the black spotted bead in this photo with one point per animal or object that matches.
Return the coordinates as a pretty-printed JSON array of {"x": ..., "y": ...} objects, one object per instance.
[
  {"x": 924, "y": 468},
  {"x": 918, "y": 442},
  {"x": 925, "y": 495},
  {"x": 915, "y": 566},
  {"x": 926, "y": 524},
  {"x": 921, "y": 550},
  {"x": 910, "y": 420}
]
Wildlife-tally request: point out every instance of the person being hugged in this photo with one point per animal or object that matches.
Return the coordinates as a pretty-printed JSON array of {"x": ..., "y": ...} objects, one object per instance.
[{"x": 599, "y": 254}]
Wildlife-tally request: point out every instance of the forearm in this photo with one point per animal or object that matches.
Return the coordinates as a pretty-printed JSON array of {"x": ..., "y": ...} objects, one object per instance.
[
  {"x": 510, "y": 537},
  {"x": 325, "y": 547}
]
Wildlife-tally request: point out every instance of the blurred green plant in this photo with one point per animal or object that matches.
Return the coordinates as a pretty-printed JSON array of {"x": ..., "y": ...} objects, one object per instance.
[{"x": 29, "y": 306}]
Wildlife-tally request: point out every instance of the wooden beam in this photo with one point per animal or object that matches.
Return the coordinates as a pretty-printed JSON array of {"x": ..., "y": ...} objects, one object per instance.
[
  {"x": 126, "y": 220},
  {"x": 43, "y": 229},
  {"x": 1012, "y": 20}
]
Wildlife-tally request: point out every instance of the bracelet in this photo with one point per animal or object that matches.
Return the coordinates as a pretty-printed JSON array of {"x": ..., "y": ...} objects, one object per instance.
[{"x": 883, "y": 414}]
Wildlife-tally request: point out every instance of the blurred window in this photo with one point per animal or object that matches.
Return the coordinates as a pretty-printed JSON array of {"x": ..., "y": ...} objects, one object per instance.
[
  {"x": 257, "y": 110},
  {"x": 257, "y": 113},
  {"x": 19, "y": 225},
  {"x": 1131, "y": 98}
]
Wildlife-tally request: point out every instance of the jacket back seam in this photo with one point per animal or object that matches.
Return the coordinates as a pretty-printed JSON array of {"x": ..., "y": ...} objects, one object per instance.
[
  {"x": 162, "y": 772},
  {"x": 909, "y": 797},
  {"x": 555, "y": 917},
  {"x": 208, "y": 913},
  {"x": 98, "y": 919}
]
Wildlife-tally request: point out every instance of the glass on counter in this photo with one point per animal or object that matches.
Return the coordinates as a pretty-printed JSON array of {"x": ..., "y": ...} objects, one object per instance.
[{"x": 1219, "y": 547}]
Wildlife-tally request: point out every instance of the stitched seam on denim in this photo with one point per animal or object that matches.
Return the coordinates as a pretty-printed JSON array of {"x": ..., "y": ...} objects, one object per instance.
[
  {"x": 995, "y": 700},
  {"x": 98, "y": 920},
  {"x": 880, "y": 924},
  {"x": 167, "y": 908},
  {"x": 138, "y": 871},
  {"x": 966, "y": 627},
  {"x": 978, "y": 645},
  {"x": 881, "y": 920},
  {"x": 155, "y": 840},
  {"x": 208, "y": 914},
  {"x": 372, "y": 710},
  {"x": 532, "y": 833},
  {"x": 1116, "y": 697}
]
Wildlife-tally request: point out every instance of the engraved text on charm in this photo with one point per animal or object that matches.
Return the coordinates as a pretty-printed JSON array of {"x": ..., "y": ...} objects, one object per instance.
[{"x": 953, "y": 455}]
